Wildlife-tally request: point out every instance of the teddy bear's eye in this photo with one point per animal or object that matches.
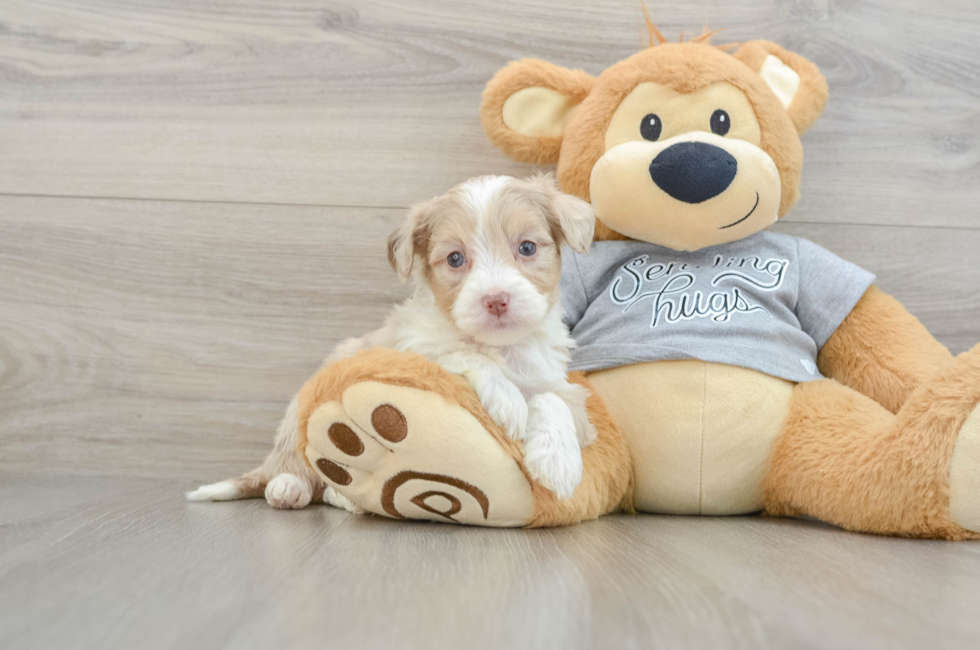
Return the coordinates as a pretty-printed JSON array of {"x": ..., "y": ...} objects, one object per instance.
[
  {"x": 650, "y": 127},
  {"x": 720, "y": 122}
]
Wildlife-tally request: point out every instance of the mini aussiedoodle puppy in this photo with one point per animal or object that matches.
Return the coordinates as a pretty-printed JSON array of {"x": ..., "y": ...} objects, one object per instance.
[{"x": 485, "y": 262}]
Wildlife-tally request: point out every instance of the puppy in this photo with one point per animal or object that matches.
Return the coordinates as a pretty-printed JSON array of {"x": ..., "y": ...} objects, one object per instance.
[{"x": 485, "y": 262}]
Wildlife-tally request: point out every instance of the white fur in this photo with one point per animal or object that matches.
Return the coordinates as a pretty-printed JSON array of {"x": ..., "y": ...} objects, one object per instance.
[
  {"x": 504, "y": 376},
  {"x": 479, "y": 192},
  {"x": 552, "y": 456},
  {"x": 489, "y": 275},
  {"x": 288, "y": 492},
  {"x": 519, "y": 371},
  {"x": 509, "y": 361},
  {"x": 333, "y": 498},
  {"x": 220, "y": 491}
]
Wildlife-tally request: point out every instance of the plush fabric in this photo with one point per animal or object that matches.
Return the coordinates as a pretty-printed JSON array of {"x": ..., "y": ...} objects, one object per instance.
[
  {"x": 533, "y": 146},
  {"x": 685, "y": 68},
  {"x": 882, "y": 351},
  {"x": 888, "y": 443},
  {"x": 846, "y": 459},
  {"x": 607, "y": 482},
  {"x": 693, "y": 453},
  {"x": 811, "y": 96},
  {"x": 389, "y": 448},
  {"x": 446, "y": 442},
  {"x": 964, "y": 475}
]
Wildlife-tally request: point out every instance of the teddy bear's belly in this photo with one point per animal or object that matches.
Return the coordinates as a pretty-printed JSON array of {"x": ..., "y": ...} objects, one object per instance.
[{"x": 700, "y": 433}]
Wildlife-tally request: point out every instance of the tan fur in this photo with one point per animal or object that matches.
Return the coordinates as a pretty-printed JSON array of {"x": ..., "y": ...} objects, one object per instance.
[
  {"x": 871, "y": 453},
  {"x": 398, "y": 369},
  {"x": 451, "y": 231},
  {"x": 682, "y": 113},
  {"x": 519, "y": 212},
  {"x": 811, "y": 97},
  {"x": 529, "y": 73},
  {"x": 251, "y": 485},
  {"x": 561, "y": 211},
  {"x": 882, "y": 351},
  {"x": 411, "y": 239},
  {"x": 845, "y": 459},
  {"x": 685, "y": 68},
  {"x": 531, "y": 209},
  {"x": 607, "y": 481}
]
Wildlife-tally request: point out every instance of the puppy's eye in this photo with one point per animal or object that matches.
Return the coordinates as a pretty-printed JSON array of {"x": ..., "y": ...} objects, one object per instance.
[
  {"x": 720, "y": 122},
  {"x": 650, "y": 127},
  {"x": 455, "y": 259},
  {"x": 527, "y": 248}
]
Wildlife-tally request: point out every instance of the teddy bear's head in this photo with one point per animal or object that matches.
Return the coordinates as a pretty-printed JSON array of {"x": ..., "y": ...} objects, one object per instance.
[{"x": 683, "y": 144}]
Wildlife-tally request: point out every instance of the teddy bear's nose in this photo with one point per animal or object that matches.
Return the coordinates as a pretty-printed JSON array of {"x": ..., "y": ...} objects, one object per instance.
[{"x": 693, "y": 171}]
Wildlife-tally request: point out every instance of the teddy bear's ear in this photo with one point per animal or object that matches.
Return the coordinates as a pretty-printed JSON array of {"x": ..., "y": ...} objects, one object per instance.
[
  {"x": 527, "y": 105},
  {"x": 796, "y": 82}
]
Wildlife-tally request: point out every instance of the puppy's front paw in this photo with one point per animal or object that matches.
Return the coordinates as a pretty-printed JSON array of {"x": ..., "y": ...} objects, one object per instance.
[
  {"x": 553, "y": 462},
  {"x": 503, "y": 402},
  {"x": 288, "y": 492},
  {"x": 551, "y": 451}
]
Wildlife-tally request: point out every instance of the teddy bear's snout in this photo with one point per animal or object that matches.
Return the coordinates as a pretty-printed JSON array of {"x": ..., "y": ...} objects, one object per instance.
[{"x": 693, "y": 172}]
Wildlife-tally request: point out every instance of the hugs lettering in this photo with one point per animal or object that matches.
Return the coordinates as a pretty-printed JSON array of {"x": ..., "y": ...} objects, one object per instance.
[{"x": 668, "y": 286}]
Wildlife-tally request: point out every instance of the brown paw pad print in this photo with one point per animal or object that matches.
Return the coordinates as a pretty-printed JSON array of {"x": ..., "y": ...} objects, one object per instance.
[
  {"x": 334, "y": 472},
  {"x": 405, "y": 453},
  {"x": 424, "y": 499},
  {"x": 389, "y": 423}
]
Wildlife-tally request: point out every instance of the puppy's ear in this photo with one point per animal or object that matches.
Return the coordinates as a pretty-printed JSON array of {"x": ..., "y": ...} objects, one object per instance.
[
  {"x": 527, "y": 105},
  {"x": 572, "y": 219},
  {"x": 409, "y": 240},
  {"x": 795, "y": 81}
]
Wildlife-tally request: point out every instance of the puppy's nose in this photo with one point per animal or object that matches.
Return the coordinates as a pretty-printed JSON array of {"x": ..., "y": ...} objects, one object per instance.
[
  {"x": 693, "y": 172},
  {"x": 496, "y": 304}
]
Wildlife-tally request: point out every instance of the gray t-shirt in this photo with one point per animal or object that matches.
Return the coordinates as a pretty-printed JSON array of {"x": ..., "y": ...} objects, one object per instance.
[{"x": 768, "y": 302}]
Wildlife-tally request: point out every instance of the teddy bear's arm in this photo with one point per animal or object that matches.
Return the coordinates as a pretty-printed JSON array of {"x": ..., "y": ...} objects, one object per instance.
[{"x": 882, "y": 351}]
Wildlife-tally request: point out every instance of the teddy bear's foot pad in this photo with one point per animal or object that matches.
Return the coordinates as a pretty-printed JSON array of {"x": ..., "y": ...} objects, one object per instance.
[
  {"x": 407, "y": 453},
  {"x": 964, "y": 475}
]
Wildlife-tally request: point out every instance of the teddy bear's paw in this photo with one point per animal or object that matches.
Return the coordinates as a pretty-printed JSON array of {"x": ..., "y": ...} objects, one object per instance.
[
  {"x": 288, "y": 492},
  {"x": 964, "y": 475},
  {"x": 406, "y": 453}
]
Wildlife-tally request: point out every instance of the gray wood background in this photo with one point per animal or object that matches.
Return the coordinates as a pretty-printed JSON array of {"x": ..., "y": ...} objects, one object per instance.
[{"x": 194, "y": 197}]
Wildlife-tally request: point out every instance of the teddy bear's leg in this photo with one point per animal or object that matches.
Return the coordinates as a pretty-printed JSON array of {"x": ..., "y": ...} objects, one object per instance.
[
  {"x": 401, "y": 437},
  {"x": 882, "y": 351},
  {"x": 845, "y": 459}
]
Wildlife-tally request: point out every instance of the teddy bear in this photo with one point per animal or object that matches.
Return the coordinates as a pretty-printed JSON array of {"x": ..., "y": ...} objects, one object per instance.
[{"x": 732, "y": 369}]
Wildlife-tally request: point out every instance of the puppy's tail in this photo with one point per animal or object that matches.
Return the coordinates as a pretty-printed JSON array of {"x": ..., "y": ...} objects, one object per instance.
[
  {"x": 247, "y": 486},
  {"x": 283, "y": 459}
]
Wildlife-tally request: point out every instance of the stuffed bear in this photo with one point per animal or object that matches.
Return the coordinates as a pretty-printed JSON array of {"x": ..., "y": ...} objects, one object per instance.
[{"x": 732, "y": 370}]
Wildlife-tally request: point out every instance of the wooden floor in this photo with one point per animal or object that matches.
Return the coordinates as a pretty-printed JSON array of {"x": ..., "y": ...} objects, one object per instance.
[
  {"x": 125, "y": 563},
  {"x": 194, "y": 197}
]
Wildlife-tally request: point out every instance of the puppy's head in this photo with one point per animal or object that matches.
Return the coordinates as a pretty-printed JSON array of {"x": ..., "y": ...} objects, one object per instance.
[{"x": 489, "y": 251}]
